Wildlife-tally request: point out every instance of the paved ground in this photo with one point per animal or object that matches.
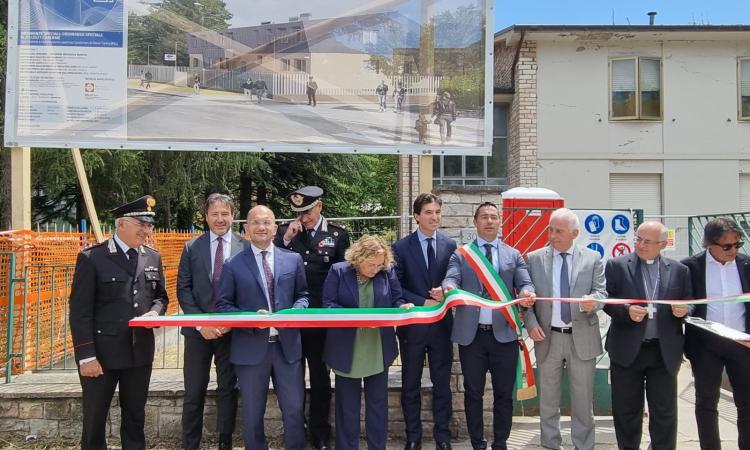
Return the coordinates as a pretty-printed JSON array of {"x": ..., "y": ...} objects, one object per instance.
[
  {"x": 166, "y": 112},
  {"x": 524, "y": 435}
]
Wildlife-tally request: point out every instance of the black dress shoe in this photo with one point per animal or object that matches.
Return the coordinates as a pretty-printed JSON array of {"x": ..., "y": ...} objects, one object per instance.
[
  {"x": 225, "y": 446},
  {"x": 322, "y": 446},
  {"x": 482, "y": 446},
  {"x": 444, "y": 446},
  {"x": 413, "y": 446}
]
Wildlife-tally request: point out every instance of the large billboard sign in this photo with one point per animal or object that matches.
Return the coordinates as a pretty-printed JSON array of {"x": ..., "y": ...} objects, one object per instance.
[{"x": 374, "y": 76}]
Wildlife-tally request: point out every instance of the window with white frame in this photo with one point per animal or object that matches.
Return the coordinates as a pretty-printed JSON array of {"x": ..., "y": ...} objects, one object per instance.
[
  {"x": 743, "y": 75},
  {"x": 635, "y": 91}
]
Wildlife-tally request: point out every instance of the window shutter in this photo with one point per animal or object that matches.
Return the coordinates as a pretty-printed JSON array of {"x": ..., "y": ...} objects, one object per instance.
[
  {"x": 744, "y": 192},
  {"x": 623, "y": 75},
  {"x": 745, "y": 77},
  {"x": 650, "y": 75},
  {"x": 636, "y": 191}
]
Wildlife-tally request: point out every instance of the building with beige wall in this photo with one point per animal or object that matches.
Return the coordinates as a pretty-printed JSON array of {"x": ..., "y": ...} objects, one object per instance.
[{"x": 651, "y": 117}]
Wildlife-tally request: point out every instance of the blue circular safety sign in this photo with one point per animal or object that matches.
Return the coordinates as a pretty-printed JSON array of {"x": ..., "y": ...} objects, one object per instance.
[
  {"x": 620, "y": 224},
  {"x": 597, "y": 248},
  {"x": 594, "y": 223}
]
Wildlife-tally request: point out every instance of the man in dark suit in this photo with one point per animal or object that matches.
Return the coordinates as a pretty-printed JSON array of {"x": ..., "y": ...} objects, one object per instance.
[
  {"x": 421, "y": 261},
  {"x": 321, "y": 244},
  {"x": 486, "y": 341},
  {"x": 265, "y": 278},
  {"x": 114, "y": 282},
  {"x": 720, "y": 271},
  {"x": 197, "y": 281},
  {"x": 645, "y": 342}
]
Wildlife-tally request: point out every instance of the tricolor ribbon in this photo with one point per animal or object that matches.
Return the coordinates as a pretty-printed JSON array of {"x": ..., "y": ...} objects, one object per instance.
[
  {"x": 372, "y": 317},
  {"x": 325, "y": 317}
]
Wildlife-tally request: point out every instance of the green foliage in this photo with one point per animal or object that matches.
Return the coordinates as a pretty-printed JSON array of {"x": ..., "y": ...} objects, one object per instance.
[
  {"x": 466, "y": 89},
  {"x": 162, "y": 29},
  {"x": 355, "y": 185}
]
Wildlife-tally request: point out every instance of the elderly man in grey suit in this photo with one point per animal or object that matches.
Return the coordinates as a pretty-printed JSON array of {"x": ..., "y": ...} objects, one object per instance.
[
  {"x": 486, "y": 341},
  {"x": 197, "y": 282},
  {"x": 565, "y": 334}
]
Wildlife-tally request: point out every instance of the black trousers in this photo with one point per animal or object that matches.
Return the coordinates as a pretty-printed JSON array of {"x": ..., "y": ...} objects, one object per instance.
[
  {"x": 311, "y": 98},
  {"x": 484, "y": 354},
  {"x": 647, "y": 373},
  {"x": 708, "y": 362},
  {"x": 199, "y": 353},
  {"x": 97, "y": 397},
  {"x": 348, "y": 407},
  {"x": 318, "y": 424},
  {"x": 439, "y": 349}
]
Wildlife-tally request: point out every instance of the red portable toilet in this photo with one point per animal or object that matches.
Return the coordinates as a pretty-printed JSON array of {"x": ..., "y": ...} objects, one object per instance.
[{"x": 526, "y": 214}]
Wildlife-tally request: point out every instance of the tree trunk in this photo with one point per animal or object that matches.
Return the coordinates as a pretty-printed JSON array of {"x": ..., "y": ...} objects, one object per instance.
[{"x": 246, "y": 194}]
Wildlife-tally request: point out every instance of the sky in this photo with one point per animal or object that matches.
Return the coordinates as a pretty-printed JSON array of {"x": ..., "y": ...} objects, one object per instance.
[
  {"x": 252, "y": 12},
  {"x": 601, "y": 12},
  {"x": 516, "y": 12}
]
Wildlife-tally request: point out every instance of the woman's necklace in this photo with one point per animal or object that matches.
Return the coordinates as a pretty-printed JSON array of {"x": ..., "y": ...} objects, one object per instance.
[{"x": 361, "y": 279}]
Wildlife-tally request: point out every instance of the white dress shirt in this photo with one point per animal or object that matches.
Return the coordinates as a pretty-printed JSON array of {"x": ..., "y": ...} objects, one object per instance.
[
  {"x": 485, "y": 314},
  {"x": 227, "y": 247},
  {"x": 259, "y": 261},
  {"x": 723, "y": 280},
  {"x": 556, "y": 268}
]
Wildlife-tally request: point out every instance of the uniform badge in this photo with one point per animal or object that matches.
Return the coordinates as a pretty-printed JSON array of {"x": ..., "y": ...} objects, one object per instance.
[
  {"x": 150, "y": 203},
  {"x": 335, "y": 233},
  {"x": 297, "y": 199},
  {"x": 151, "y": 274},
  {"x": 327, "y": 242}
]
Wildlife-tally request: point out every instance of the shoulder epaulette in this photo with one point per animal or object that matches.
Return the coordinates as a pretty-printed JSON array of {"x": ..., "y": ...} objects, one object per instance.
[{"x": 149, "y": 247}]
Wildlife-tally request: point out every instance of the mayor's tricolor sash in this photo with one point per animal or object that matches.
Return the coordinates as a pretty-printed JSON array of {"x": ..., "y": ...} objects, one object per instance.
[{"x": 499, "y": 292}]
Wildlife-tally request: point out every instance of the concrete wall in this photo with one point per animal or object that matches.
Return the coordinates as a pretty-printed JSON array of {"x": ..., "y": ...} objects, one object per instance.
[{"x": 699, "y": 147}]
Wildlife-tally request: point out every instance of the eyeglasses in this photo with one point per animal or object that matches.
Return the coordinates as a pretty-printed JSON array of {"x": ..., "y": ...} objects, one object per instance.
[
  {"x": 259, "y": 223},
  {"x": 727, "y": 247},
  {"x": 640, "y": 240},
  {"x": 144, "y": 225}
]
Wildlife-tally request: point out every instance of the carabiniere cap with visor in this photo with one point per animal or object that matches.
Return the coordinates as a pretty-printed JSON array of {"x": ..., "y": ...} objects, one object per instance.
[
  {"x": 141, "y": 209},
  {"x": 304, "y": 198}
]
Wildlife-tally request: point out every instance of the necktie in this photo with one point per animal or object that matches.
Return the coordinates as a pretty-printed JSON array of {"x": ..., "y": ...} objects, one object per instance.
[
  {"x": 218, "y": 261},
  {"x": 133, "y": 259},
  {"x": 269, "y": 279},
  {"x": 488, "y": 253},
  {"x": 564, "y": 289},
  {"x": 218, "y": 265},
  {"x": 306, "y": 238},
  {"x": 432, "y": 263}
]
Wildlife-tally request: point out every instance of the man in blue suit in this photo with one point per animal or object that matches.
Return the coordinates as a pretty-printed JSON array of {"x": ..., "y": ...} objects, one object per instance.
[
  {"x": 421, "y": 261},
  {"x": 486, "y": 341},
  {"x": 265, "y": 278}
]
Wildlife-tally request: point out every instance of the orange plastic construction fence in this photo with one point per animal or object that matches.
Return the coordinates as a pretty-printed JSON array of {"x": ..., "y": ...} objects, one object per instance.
[{"x": 44, "y": 266}]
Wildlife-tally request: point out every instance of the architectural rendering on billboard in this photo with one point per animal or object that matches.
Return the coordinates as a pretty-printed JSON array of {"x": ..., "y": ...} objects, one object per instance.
[{"x": 384, "y": 76}]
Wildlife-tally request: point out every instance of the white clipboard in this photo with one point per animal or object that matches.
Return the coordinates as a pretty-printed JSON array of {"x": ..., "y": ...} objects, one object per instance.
[{"x": 720, "y": 329}]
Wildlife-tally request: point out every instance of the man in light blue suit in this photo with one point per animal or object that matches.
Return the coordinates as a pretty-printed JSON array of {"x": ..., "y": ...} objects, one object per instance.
[
  {"x": 486, "y": 341},
  {"x": 265, "y": 278}
]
